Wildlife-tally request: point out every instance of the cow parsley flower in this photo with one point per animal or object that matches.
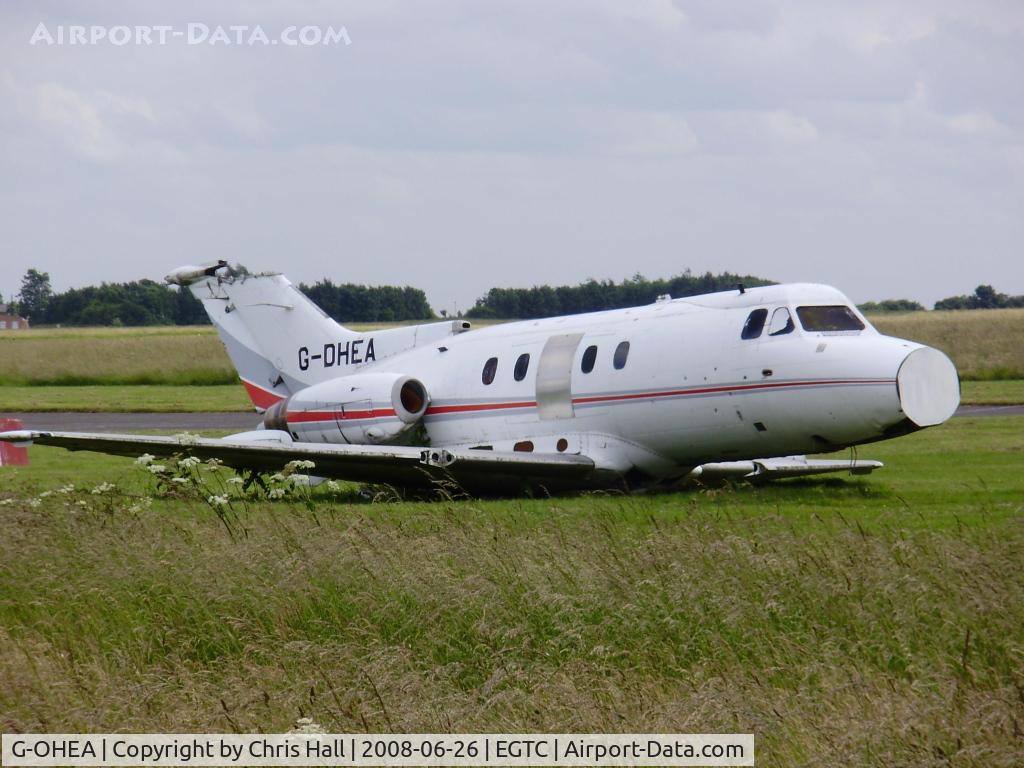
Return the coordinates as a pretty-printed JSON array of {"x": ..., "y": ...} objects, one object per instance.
[
  {"x": 179, "y": 480},
  {"x": 188, "y": 462},
  {"x": 275, "y": 493},
  {"x": 217, "y": 501},
  {"x": 102, "y": 488},
  {"x": 145, "y": 459},
  {"x": 235, "y": 481}
]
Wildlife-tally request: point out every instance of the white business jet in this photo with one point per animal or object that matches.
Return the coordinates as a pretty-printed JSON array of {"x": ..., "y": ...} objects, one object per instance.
[{"x": 737, "y": 384}]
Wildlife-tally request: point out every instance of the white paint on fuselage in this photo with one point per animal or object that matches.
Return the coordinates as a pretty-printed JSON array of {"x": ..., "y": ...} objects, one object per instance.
[{"x": 691, "y": 391}]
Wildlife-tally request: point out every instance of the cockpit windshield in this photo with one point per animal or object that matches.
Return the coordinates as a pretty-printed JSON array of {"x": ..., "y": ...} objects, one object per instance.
[{"x": 829, "y": 318}]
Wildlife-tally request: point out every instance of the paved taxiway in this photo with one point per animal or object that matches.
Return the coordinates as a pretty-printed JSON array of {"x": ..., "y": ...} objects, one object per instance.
[{"x": 179, "y": 422}]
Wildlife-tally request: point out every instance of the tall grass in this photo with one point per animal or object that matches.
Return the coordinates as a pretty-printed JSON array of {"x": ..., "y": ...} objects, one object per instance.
[
  {"x": 72, "y": 357},
  {"x": 869, "y": 622},
  {"x": 984, "y": 344}
]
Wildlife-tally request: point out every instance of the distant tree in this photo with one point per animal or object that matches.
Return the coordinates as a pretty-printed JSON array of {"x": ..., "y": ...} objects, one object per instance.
[
  {"x": 593, "y": 295},
  {"x": 984, "y": 297},
  {"x": 35, "y": 294},
  {"x": 891, "y": 305},
  {"x": 349, "y": 303}
]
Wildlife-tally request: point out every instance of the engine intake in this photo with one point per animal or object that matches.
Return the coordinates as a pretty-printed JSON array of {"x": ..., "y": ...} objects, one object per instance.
[{"x": 362, "y": 408}]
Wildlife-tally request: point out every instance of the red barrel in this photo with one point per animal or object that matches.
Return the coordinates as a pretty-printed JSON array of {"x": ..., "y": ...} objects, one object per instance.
[{"x": 9, "y": 454}]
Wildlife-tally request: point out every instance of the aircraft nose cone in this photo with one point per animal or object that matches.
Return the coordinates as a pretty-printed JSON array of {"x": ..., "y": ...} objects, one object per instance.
[{"x": 929, "y": 387}]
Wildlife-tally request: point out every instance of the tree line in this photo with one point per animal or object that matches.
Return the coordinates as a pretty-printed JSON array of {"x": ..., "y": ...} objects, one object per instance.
[
  {"x": 145, "y": 302},
  {"x": 594, "y": 295}
]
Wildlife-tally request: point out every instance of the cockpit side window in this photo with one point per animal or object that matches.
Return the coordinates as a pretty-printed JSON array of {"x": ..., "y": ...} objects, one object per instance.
[
  {"x": 782, "y": 322},
  {"x": 829, "y": 318},
  {"x": 755, "y": 324}
]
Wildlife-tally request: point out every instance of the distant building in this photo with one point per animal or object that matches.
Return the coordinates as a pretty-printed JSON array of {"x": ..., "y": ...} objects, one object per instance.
[{"x": 9, "y": 321}]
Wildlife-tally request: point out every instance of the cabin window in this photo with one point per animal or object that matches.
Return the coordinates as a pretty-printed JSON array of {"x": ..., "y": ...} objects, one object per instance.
[
  {"x": 830, "y": 318},
  {"x": 490, "y": 368},
  {"x": 782, "y": 322},
  {"x": 755, "y": 324},
  {"x": 621, "y": 353},
  {"x": 522, "y": 366},
  {"x": 589, "y": 356}
]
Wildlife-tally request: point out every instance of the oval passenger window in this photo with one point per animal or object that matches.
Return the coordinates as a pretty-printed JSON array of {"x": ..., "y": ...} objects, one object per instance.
[
  {"x": 490, "y": 368},
  {"x": 589, "y": 356},
  {"x": 621, "y": 353},
  {"x": 522, "y": 366}
]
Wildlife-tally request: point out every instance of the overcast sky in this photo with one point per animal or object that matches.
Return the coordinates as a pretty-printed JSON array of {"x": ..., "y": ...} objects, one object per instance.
[{"x": 457, "y": 145}]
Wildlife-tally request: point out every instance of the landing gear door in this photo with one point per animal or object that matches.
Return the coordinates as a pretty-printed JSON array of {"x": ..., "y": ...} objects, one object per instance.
[{"x": 554, "y": 377}]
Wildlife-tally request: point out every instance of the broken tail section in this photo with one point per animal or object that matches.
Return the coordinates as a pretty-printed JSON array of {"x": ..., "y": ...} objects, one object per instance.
[{"x": 281, "y": 342}]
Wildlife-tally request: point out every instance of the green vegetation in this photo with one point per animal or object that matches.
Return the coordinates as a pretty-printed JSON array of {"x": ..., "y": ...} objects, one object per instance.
[
  {"x": 348, "y": 303},
  {"x": 992, "y": 392},
  {"x": 891, "y": 305},
  {"x": 984, "y": 345},
  {"x": 874, "y": 622},
  {"x": 145, "y": 398},
  {"x": 594, "y": 295},
  {"x": 984, "y": 297},
  {"x": 69, "y": 357},
  {"x": 146, "y": 303}
]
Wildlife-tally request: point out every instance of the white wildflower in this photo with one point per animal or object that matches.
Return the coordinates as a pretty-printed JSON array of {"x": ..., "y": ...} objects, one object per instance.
[
  {"x": 34, "y": 503},
  {"x": 69, "y": 488},
  {"x": 102, "y": 488},
  {"x": 236, "y": 481},
  {"x": 179, "y": 480},
  {"x": 6, "y": 502},
  {"x": 333, "y": 485},
  {"x": 299, "y": 464},
  {"x": 300, "y": 479},
  {"x": 188, "y": 462},
  {"x": 186, "y": 438},
  {"x": 277, "y": 477},
  {"x": 145, "y": 459},
  {"x": 306, "y": 725},
  {"x": 275, "y": 493},
  {"x": 157, "y": 469},
  {"x": 217, "y": 501},
  {"x": 44, "y": 494},
  {"x": 214, "y": 464}
]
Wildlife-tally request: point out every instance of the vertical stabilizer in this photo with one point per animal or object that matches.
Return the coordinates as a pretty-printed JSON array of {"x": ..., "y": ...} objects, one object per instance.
[{"x": 264, "y": 321}]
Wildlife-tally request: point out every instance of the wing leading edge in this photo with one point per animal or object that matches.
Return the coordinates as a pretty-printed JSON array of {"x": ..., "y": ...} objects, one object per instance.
[
  {"x": 403, "y": 466},
  {"x": 479, "y": 471}
]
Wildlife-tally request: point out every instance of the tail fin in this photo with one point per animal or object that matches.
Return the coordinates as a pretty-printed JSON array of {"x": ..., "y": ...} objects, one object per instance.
[
  {"x": 264, "y": 322},
  {"x": 281, "y": 342}
]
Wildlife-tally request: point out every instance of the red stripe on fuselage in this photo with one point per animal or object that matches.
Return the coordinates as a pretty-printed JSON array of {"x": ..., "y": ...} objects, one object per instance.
[
  {"x": 300, "y": 417},
  {"x": 296, "y": 417}
]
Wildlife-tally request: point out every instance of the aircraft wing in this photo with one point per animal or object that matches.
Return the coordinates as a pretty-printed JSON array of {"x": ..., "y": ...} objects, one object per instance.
[
  {"x": 404, "y": 466},
  {"x": 788, "y": 466}
]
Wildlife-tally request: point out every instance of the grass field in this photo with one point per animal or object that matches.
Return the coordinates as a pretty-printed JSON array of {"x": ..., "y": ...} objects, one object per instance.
[
  {"x": 876, "y": 621},
  {"x": 984, "y": 345}
]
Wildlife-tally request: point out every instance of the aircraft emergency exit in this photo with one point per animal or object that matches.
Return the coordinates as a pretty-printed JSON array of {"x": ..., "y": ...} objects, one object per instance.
[{"x": 741, "y": 383}]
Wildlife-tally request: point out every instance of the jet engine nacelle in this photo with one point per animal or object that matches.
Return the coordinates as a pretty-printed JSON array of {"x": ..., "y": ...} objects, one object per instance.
[{"x": 363, "y": 408}]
